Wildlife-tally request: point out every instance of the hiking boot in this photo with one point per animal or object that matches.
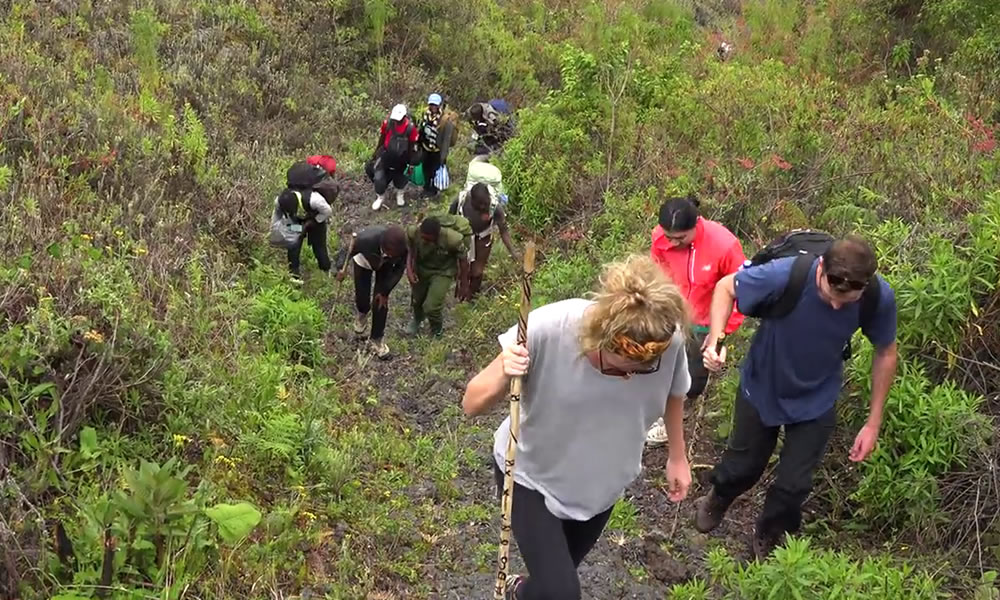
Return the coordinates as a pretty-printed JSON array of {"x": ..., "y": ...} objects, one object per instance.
[
  {"x": 380, "y": 349},
  {"x": 360, "y": 324},
  {"x": 513, "y": 584},
  {"x": 711, "y": 509},
  {"x": 657, "y": 434},
  {"x": 764, "y": 543},
  {"x": 400, "y": 201},
  {"x": 379, "y": 202},
  {"x": 437, "y": 331},
  {"x": 297, "y": 279},
  {"x": 412, "y": 328}
]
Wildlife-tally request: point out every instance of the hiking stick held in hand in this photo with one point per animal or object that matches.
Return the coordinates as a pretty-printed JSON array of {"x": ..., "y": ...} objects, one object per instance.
[{"x": 507, "y": 498}]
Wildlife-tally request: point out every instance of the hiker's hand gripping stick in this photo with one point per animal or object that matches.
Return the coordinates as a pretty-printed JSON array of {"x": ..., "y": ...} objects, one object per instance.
[
  {"x": 518, "y": 364},
  {"x": 713, "y": 353}
]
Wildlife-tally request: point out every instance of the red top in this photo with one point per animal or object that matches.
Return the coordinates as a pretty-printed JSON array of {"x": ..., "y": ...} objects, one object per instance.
[
  {"x": 714, "y": 253},
  {"x": 327, "y": 162},
  {"x": 384, "y": 131}
]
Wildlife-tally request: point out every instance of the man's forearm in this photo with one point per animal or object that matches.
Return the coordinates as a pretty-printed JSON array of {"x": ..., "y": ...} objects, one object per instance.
[
  {"x": 722, "y": 305},
  {"x": 505, "y": 236},
  {"x": 883, "y": 372},
  {"x": 673, "y": 418}
]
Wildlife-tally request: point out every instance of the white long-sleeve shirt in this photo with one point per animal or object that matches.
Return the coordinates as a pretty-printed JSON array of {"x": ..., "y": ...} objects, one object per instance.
[{"x": 317, "y": 204}]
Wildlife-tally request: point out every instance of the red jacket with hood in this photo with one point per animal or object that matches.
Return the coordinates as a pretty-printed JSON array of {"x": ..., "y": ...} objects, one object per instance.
[{"x": 714, "y": 253}]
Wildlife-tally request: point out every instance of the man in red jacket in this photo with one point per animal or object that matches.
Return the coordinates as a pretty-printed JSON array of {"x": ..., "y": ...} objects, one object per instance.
[{"x": 695, "y": 253}]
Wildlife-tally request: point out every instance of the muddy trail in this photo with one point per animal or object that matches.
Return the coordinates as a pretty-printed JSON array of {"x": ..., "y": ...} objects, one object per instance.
[{"x": 660, "y": 548}]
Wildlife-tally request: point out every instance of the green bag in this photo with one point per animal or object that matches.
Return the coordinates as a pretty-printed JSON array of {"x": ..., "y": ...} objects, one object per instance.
[{"x": 417, "y": 174}]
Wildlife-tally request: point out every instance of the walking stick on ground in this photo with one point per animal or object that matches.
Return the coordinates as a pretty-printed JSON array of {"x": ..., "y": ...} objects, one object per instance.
[
  {"x": 347, "y": 261},
  {"x": 507, "y": 498}
]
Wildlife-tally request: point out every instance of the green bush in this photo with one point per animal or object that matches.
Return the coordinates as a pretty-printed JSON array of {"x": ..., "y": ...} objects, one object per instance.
[{"x": 797, "y": 570}]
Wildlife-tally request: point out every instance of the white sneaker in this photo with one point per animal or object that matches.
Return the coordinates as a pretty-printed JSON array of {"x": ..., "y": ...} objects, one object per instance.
[
  {"x": 657, "y": 434},
  {"x": 360, "y": 324},
  {"x": 400, "y": 201},
  {"x": 378, "y": 202}
]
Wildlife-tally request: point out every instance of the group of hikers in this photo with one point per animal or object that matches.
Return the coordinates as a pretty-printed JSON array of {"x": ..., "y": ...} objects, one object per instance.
[
  {"x": 607, "y": 376},
  {"x": 445, "y": 249}
]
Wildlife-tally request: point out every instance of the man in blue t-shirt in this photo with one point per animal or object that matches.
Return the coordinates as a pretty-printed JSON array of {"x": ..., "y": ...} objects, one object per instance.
[{"x": 791, "y": 378}]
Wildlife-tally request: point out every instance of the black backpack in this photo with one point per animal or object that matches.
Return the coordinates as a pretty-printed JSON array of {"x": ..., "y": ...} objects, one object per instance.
[
  {"x": 806, "y": 245},
  {"x": 302, "y": 177},
  {"x": 398, "y": 149}
]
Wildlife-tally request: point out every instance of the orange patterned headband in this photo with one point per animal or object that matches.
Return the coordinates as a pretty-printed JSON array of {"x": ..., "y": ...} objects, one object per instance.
[{"x": 632, "y": 349}]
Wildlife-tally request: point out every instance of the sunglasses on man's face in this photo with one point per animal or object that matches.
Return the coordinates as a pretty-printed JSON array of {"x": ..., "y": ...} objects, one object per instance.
[
  {"x": 618, "y": 372},
  {"x": 843, "y": 283}
]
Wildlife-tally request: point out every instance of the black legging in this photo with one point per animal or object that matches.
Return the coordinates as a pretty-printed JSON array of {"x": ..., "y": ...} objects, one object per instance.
[
  {"x": 363, "y": 296},
  {"x": 317, "y": 239},
  {"x": 552, "y": 548},
  {"x": 432, "y": 161}
]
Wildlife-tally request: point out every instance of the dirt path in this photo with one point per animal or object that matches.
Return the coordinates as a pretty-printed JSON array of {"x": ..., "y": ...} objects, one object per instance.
[{"x": 658, "y": 549}]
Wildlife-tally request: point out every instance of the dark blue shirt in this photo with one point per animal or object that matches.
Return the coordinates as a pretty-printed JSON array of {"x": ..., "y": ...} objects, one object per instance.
[{"x": 794, "y": 369}]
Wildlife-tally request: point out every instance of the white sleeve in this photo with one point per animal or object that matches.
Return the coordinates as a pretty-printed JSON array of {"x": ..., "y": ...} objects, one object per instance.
[{"x": 318, "y": 203}]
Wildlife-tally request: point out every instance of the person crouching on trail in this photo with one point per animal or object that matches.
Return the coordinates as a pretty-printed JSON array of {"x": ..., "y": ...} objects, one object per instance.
[
  {"x": 312, "y": 213},
  {"x": 437, "y": 251},
  {"x": 378, "y": 250},
  {"x": 484, "y": 213},
  {"x": 792, "y": 375},
  {"x": 695, "y": 253},
  {"x": 395, "y": 151},
  {"x": 597, "y": 373}
]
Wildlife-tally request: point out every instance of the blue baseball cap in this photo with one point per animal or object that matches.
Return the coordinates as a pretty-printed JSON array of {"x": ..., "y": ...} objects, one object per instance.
[{"x": 434, "y": 99}]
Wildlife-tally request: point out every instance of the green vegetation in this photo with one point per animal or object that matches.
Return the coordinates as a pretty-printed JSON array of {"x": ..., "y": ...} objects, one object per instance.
[{"x": 178, "y": 421}]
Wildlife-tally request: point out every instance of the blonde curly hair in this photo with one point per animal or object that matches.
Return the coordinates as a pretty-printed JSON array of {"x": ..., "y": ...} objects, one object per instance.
[{"x": 635, "y": 302}]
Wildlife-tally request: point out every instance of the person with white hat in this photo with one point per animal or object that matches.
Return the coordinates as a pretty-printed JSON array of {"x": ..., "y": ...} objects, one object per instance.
[
  {"x": 438, "y": 132},
  {"x": 395, "y": 150}
]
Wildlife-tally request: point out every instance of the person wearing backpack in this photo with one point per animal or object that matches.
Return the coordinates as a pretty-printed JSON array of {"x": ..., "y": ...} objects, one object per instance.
[
  {"x": 695, "y": 253},
  {"x": 310, "y": 210},
  {"x": 438, "y": 131},
  {"x": 437, "y": 252},
  {"x": 395, "y": 151},
  {"x": 377, "y": 250},
  {"x": 490, "y": 128},
  {"x": 482, "y": 209},
  {"x": 811, "y": 293}
]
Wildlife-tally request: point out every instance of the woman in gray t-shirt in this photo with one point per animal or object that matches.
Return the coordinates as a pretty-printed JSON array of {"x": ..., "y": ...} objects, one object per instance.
[{"x": 596, "y": 374}]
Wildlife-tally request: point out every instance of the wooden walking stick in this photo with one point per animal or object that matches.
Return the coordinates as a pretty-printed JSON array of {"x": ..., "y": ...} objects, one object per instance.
[{"x": 507, "y": 499}]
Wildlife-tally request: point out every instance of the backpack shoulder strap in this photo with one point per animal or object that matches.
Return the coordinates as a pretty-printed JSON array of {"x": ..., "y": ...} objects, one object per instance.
[
  {"x": 870, "y": 300},
  {"x": 789, "y": 297}
]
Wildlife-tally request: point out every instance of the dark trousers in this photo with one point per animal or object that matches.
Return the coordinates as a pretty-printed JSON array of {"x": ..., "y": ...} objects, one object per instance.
[
  {"x": 552, "y": 548},
  {"x": 432, "y": 160},
  {"x": 750, "y": 447},
  {"x": 477, "y": 267},
  {"x": 696, "y": 365},
  {"x": 316, "y": 236},
  {"x": 382, "y": 175},
  {"x": 363, "y": 296},
  {"x": 428, "y": 297}
]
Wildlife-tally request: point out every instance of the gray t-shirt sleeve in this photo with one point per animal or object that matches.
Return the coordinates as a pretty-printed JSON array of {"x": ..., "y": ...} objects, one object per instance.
[{"x": 681, "y": 381}]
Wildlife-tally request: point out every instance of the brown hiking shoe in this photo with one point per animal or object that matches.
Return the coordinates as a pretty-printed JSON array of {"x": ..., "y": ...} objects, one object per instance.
[
  {"x": 763, "y": 544},
  {"x": 711, "y": 509}
]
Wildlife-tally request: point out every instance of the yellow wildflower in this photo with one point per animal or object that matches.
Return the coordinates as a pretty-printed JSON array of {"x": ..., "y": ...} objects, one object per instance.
[
  {"x": 141, "y": 250},
  {"x": 119, "y": 232},
  {"x": 85, "y": 237},
  {"x": 180, "y": 440},
  {"x": 282, "y": 392},
  {"x": 94, "y": 336},
  {"x": 308, "y": 515}
]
